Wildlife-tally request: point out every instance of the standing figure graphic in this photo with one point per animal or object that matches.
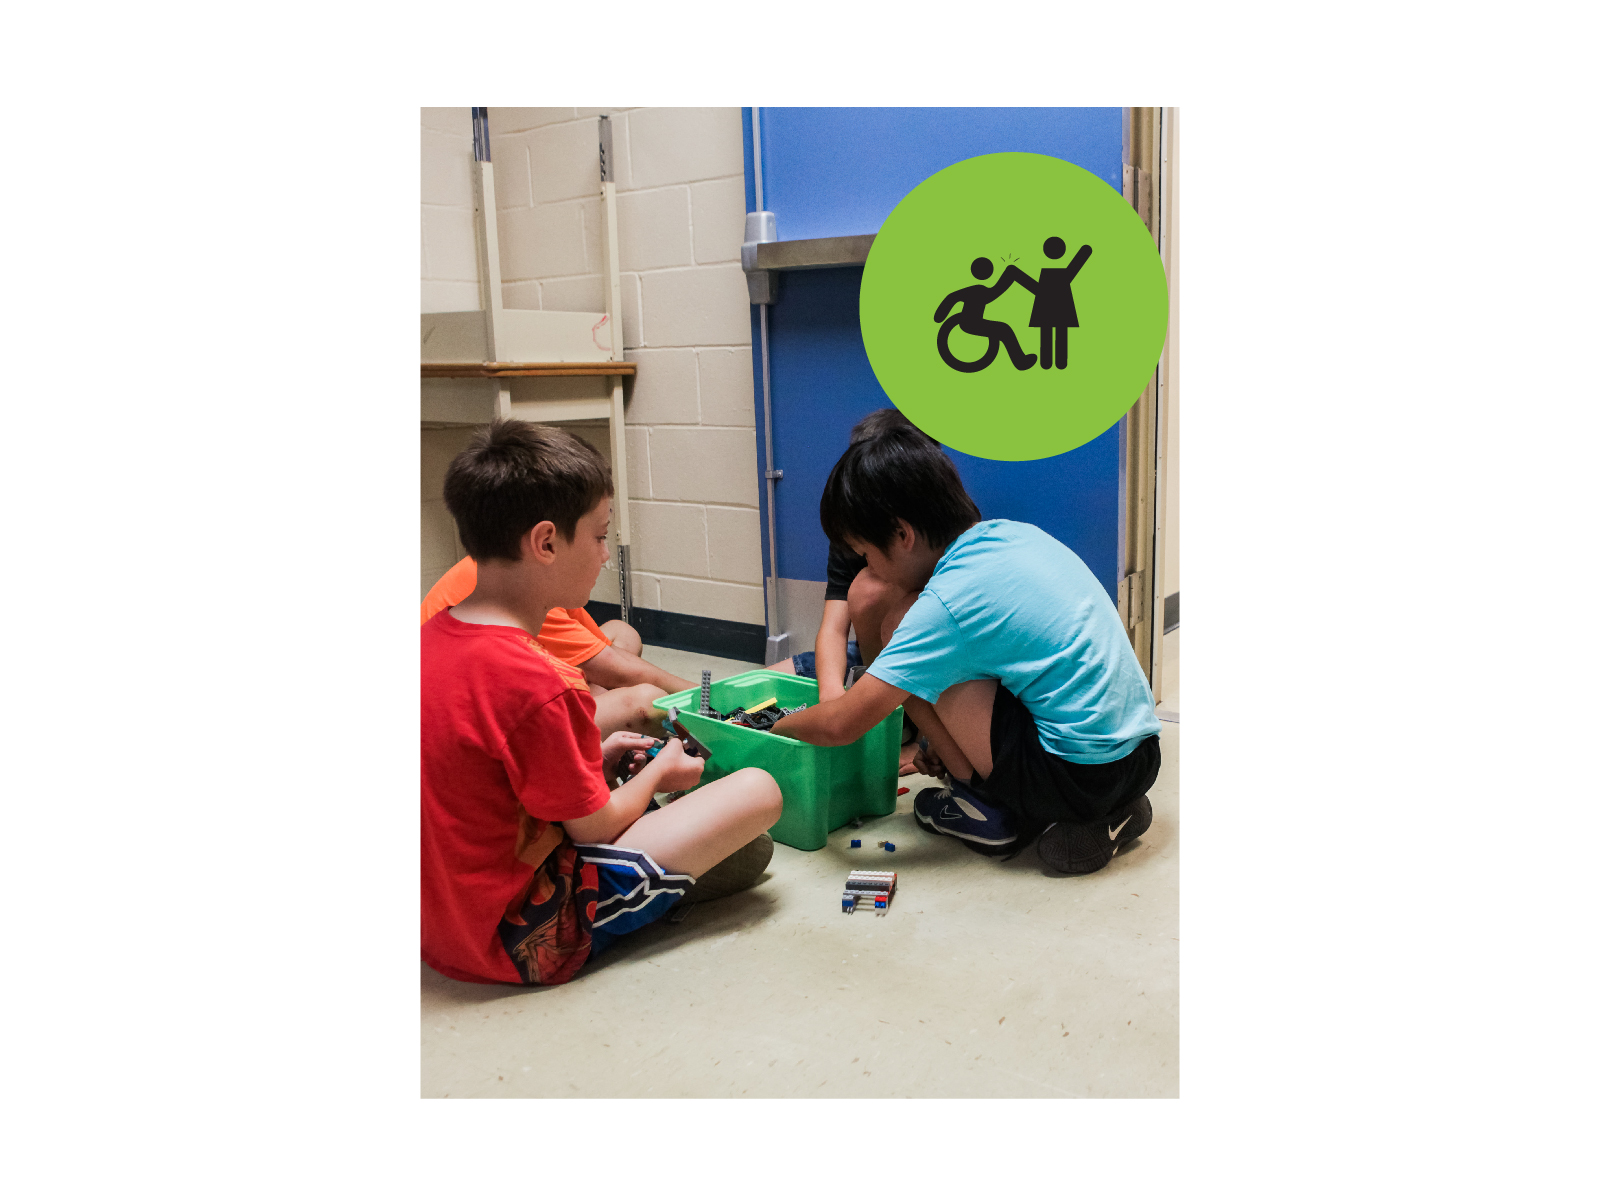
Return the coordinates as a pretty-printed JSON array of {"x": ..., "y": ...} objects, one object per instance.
[{"x": 1053, "y": 312}]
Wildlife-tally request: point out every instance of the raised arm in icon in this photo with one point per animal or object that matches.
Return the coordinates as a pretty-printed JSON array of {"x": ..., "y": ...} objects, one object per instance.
[
  {"x": 1014, "y": 274},
  {"x": 1078, "y": 262}
]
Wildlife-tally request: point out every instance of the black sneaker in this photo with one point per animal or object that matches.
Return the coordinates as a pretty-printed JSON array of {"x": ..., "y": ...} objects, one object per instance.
[
  {"x": 955, "y": 811},
  {"x": 1085, "y": 848}
]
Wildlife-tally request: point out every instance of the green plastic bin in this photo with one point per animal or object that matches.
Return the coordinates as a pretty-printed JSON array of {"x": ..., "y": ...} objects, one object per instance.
[{"x": 824, "y": 787}]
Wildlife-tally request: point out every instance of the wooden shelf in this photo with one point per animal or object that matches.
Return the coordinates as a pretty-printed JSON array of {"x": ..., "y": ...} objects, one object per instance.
[{"x": 519, "y": 370}]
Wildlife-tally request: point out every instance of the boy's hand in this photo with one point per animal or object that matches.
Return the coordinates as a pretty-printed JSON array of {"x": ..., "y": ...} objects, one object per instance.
[
  {"x": 927, "y": 761},
  {"x": 679, "y": 770},
  {"x": 624, "y": 753}
]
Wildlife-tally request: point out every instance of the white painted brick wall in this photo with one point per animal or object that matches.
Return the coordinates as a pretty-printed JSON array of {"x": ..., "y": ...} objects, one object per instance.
[
  {"x": 449, "y": 253},
  {"x": 685, "y": 319}
]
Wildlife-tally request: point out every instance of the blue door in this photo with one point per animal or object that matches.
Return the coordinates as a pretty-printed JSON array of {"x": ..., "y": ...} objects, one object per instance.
[{"x": 835, "y": 172}]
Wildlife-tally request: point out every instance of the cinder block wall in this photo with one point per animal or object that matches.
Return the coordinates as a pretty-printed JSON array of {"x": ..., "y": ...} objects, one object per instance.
[
  {"x": 449, "y": 284},
  {"x": 685, "y": 319}
]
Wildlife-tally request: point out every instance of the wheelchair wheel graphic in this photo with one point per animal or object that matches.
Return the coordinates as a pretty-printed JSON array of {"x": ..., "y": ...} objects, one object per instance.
[{"x": 955, "y": 363}]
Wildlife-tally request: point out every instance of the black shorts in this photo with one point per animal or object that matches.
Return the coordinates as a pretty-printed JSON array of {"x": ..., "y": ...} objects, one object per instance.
[{"x": 1039, "y": 788}]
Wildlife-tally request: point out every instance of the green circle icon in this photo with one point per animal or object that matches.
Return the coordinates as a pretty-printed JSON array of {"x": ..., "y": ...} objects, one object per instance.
[{"x": 1013, "y": 306}]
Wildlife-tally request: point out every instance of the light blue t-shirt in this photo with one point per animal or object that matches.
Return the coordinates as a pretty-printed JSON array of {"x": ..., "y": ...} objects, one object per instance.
[{"x": 1008, "y": 601}]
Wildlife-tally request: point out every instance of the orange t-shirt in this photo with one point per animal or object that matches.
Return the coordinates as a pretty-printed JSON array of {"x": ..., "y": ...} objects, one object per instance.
[{"x": 570, "y": 634}]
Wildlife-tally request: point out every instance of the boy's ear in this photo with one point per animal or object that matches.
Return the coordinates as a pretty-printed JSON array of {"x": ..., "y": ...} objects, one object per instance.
[
  {"x": 904, "y": 533},
  {"x": 540, "y": 543}
]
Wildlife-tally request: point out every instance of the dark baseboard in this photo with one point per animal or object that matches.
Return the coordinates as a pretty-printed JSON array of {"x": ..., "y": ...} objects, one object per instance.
[
  {"x": 1170, "y": 613},
  {"x": 696, "y": 634}
]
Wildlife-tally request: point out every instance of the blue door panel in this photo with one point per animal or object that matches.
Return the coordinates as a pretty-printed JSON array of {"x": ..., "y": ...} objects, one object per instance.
[{"x": 832, "y": 172}]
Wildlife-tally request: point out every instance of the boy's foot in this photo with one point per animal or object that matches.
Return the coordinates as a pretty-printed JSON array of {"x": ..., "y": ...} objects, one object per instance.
[
  {"x": 955, "y": 811},
  {"x": 737, "y": 872},
  {"x": 1085, "y": 848},
  {"x": 909, "y": 759}
]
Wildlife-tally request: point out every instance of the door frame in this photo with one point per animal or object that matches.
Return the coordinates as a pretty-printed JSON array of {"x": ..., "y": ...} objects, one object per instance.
[{"x": 1150, "y": 179}]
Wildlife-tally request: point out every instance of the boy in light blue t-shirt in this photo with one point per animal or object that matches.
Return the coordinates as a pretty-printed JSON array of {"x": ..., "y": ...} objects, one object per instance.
[{"x": 1008, "y": 654}]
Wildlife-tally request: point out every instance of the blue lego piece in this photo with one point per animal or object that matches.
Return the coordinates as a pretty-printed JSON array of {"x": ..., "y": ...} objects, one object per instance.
[
  {"x": 856, "y": 842},
  {"x": 847, "y": 902},
  {"x": 889, "y": 847}
]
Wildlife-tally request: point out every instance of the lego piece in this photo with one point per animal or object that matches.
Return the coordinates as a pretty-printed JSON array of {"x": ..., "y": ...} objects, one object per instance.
[
  {"x": 694, "y": 747},
  {"x": 876, "y": 880},
  {"x": 847, "y": 902},
  {"x": 676, "y": 729},
  {"x": 903, "y": 791},
  {"x": 761, "y": 717},
  {"x": 856, "y": 842},
  {"x": 889, "y": 847},
  {"x": 705, "y": 693}
]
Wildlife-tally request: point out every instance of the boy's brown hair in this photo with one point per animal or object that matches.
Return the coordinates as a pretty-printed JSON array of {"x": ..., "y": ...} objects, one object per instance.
[{"x": 513, "y": 475}]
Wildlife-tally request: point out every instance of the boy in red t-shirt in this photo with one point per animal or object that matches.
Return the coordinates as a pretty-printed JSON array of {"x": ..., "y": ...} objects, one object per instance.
[
  {"x": 532, "y": 862},
  {"x": 624, "y": 685}
]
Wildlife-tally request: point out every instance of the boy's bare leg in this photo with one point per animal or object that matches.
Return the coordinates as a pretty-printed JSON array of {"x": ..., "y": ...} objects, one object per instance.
[
  {"x": 871, "y": 601},
  {"x": 958, "y": 727},
  {"x": 628, "y": 708},
  {"x": 614, "y": 667},
  {"x": 624, "y": 637},
  {"x": 787, "y": 666},
  {"x": 695, "y": 832},
  {"x": 622, "y": 663}
]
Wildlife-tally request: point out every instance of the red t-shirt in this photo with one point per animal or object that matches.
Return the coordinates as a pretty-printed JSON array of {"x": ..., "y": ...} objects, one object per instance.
[{"x": 509, "y": 748}]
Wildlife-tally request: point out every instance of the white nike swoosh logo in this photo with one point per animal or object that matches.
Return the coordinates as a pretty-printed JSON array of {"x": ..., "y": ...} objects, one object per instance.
[{"x": 1111, "y": 833}]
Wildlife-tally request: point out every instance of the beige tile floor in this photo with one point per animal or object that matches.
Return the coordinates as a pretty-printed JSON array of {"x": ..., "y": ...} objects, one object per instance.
[{"x": 985, "y": 979}]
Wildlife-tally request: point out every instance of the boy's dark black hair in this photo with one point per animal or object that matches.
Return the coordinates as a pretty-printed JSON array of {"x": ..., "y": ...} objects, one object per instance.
[
  {"x": 513, "y": 475},
  {"x": 875, "y": 423},
  {"x": 900, "y": 473}
]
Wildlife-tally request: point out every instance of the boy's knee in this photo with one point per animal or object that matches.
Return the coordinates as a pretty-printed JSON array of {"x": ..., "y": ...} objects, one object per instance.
[
  {"x": 643, "y": 697},
  {"x": 866, "y": 590},
  {"x": 764, "y": 792},
  {"x": 623, "y": 636}
]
